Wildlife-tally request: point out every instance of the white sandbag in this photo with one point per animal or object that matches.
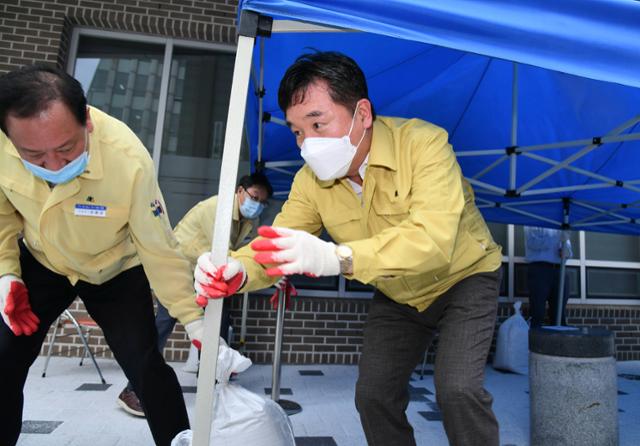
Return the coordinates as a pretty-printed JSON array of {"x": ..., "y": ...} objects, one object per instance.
[
  {"x": 512, "y": 345},
  {"x": 242, "y": 418}
]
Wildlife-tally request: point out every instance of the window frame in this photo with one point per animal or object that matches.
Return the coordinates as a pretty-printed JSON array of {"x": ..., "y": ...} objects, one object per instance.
[{"x": 169, "y": 44}]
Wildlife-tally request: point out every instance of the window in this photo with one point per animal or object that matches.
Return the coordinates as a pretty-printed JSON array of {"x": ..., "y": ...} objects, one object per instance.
[{"x": 135, "y": 78}]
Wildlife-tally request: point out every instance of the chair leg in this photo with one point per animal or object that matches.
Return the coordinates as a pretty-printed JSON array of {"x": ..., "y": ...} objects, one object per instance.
[
  {"x": 86, "y": 345},
  {"x": 51, "y": 342},
  {"x": 424, "y": 363},
  {"x": 85, "y": 353}
]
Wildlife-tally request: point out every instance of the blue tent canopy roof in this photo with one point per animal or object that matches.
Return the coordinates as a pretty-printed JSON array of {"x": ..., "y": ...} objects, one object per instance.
[{"x": 452, "y": 63}]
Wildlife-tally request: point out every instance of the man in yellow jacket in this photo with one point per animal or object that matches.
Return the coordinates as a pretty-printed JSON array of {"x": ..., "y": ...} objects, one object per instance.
[
  {"x": 194, "y": 234},
  {"x": 81, "y": 214},
  {"x": 390, "y": 193}
]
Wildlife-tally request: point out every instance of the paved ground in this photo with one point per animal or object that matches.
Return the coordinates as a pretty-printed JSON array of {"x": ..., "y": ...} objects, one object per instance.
[{"x": 75, "y": 417}]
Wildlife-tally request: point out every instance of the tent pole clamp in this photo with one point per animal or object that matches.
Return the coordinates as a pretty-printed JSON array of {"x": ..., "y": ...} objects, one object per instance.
[
  {"x": 254, "y": 25},
  {"x": 512, "y": 150},
  {"x": 511, "y": 193}
]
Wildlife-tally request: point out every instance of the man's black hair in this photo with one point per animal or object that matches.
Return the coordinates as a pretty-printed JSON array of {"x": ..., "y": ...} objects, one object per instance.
[
  {"x": 346, "y": 81},
  {"x": 256, "y": 179},
  {"x": 31, "y": 89}
]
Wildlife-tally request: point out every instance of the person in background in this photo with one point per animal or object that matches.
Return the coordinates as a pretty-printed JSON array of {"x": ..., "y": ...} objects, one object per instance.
[
  {"x": 194, "y": 234},
  {"x": 390, "y": 193},
  {"x": 545, "y": 249},
  {"x": 81, "y": 190}
]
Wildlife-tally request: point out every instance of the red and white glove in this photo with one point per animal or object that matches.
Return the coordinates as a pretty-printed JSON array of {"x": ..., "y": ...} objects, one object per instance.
[
  {"x": 283, "y": 285},
  {"x": 15, "y": 307},
  {"x": 295, "y": 252},
  {"x": 195, "y": 331},
  {"x": 213, "y": 282}
]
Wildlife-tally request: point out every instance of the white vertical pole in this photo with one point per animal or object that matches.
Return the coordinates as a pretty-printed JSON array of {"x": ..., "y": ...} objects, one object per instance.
[{"x": 205, "y": 397}]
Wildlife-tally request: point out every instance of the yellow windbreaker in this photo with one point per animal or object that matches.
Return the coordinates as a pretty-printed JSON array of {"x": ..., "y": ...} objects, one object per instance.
[
  {"x": 109, "y": 219},
  {"x": 416, "y": 230},
  {"x": 195, "y": 230}
]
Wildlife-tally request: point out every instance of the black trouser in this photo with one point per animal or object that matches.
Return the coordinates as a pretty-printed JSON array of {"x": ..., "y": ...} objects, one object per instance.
[
  {"x": 123, "y": 309},
  {"x": 395, "y": 338},
  {"x": 544, "y": 280}
]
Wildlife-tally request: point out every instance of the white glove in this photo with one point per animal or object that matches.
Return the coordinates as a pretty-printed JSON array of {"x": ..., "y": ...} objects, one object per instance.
[
  {"x": 212, "y": 282},
  {"x": 195, "y": 331},
  {"x": 295, "y": 252},
  {"x": 15, "y": 307}
]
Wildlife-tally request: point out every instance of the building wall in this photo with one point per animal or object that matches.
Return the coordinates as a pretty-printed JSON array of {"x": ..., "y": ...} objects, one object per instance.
[
  {"x": 39, "y": 31},
  {"x": 329, "y": 331}
]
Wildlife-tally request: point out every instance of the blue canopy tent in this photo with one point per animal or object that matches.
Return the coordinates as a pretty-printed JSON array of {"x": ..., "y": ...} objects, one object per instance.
[{"x": 541, "y": 100}]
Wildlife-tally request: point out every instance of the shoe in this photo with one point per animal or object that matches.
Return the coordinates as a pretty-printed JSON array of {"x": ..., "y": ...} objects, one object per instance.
[{"x": 129, "y": 401}]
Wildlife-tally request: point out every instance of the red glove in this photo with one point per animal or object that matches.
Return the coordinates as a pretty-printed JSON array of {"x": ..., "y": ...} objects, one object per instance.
[
  {"x": 212, "y": 282},
  {"x": 288, "y": 289},
  {"x": 15, "y": 308}
]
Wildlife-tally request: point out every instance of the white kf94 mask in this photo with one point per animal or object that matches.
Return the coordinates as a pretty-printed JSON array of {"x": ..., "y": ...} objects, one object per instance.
[{"x": 330, "y": 158}]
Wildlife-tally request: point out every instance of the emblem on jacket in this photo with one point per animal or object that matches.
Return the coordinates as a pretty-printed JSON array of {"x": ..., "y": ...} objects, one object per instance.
[{"x": 156, "y": 208}]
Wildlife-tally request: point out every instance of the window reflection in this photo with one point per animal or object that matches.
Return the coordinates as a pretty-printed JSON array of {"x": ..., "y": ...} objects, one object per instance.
[{"x": 123, "y": 80}]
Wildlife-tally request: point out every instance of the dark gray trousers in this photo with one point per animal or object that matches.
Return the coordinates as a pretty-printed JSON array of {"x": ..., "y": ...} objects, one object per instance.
[{"x": 395, "y": 339}]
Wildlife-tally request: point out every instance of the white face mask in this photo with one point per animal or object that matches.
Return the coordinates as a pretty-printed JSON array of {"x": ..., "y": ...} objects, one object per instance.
[{"x": 330, "y": 158}]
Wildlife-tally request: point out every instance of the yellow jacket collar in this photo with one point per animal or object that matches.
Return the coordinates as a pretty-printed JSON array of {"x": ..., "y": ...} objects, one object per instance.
[
  {"x": 8, "y": 146},
  {"x": 382, "y": 148},
  {"x": 236, "y": 208},
  {"x": 94, "y": 170}
]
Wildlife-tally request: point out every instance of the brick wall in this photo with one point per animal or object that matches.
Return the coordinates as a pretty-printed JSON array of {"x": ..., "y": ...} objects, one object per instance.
[
  {"x": 329, "y": 331},
  {"x": 39, "y": 31}
]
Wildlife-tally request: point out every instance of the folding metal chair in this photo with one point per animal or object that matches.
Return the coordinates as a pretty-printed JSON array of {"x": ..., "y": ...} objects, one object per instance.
[{"x": 63, "y": 321}]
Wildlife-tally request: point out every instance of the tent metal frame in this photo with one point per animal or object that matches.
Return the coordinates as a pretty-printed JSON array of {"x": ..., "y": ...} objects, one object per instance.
[{"x": 509, "y": 154}]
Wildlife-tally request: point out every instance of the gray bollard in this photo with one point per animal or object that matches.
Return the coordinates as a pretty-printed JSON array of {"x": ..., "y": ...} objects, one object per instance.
[{"x": 572, "y": 387}]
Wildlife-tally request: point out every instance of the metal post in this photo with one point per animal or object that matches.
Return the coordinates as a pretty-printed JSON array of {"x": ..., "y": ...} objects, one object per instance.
[
  {"x": 243, "y": 326},
  {"x": 277, "y": 347},
  {"x": 563, "y": 266},
  {"x": 514, "y": 128},
  {"x": 563, "y": 263},
  {"x": 290, "y": 407}
]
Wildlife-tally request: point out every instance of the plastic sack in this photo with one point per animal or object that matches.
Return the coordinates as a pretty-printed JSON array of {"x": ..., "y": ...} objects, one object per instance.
[
  {"x": 240, "y": 417},
  {"x": 512, "y": 345}
]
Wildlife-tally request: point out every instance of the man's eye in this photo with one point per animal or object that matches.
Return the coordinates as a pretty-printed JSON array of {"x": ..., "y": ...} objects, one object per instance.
[
  {"x": 316, "y": 125},
  {"x": 296, "y": 132}
]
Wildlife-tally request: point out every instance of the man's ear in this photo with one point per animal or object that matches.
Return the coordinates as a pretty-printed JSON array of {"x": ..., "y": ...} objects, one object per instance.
[
  {"x": 89, "y": 123},
  {"x": 364, "y": 113}
]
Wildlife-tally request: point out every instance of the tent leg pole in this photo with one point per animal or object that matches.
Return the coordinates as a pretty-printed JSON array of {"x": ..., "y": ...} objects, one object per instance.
[
  {"x": 563, "y": 268},
  {"x": 290, "y": 407},
  {"x": 205, "y": 396},
  {"x": 243, "y": 326}
]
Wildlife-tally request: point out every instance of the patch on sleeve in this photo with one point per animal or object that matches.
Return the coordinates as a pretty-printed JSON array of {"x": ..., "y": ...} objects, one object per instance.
[{"x": 156, "y": 208}]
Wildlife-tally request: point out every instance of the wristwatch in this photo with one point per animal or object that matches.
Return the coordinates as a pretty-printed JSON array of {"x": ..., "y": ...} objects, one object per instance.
[{"x": 345, "y": 257}]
